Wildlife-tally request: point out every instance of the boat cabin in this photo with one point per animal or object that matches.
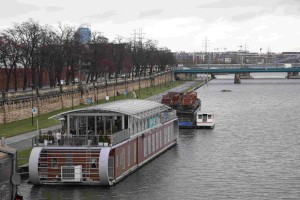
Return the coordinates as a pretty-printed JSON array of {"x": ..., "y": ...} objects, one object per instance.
[{"x": 205, "y": 119}]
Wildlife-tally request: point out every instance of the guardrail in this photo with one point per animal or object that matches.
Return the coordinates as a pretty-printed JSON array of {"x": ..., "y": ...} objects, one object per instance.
[{"x": 81, "y": 140}]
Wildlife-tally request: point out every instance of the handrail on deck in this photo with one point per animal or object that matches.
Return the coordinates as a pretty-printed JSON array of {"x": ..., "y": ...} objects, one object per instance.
[{"x": 85, "y": 140}]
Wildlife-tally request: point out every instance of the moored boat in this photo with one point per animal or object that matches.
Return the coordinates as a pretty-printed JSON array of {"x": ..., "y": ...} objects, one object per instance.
[
  {"x": 186, "y": 105},
  {"x": 102, "y": 144},
  {"x": 205, "y": 119}
]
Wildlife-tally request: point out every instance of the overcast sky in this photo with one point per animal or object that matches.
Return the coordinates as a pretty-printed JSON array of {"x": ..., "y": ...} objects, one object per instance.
[{"x": 178, "y": 25}]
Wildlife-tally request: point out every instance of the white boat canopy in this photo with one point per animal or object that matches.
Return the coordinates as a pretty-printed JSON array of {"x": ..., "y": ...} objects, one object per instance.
[{"x": 133, "y": 107}]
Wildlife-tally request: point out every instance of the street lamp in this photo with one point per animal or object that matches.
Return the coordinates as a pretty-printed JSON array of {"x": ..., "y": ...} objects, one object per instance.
[
  {"x": 115, "y": 87},
  {"x": 159, "y": 80},
  {"x": 94, "y": 89},
  {"x": 72, "y": 95},
  {"x": 139, "y": 85},
  {"x": 97, "y": 90},
  {"x": 106, "y": 86},
  {"x": 153, "y": 80},
  {"x": 147, "y": 82},
  {"x": 32, "y": 104}
]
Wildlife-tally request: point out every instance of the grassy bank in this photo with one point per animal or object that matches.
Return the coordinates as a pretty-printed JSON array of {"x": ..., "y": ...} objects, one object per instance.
[
  {"x": 196, "y": 85},
  {"x": 23, "y": 156},
  {"x": 24, "y": 126}
]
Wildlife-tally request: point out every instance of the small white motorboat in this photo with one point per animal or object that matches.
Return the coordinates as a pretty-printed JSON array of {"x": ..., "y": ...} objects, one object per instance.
[{"x": 205, "y": 119}]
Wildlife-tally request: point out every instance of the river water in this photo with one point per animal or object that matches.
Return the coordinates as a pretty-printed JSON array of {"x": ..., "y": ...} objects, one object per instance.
[{"x": 252, "y": 153}]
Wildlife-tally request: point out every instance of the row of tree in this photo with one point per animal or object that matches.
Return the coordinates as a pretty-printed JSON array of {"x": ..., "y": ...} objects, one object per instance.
[{"x": 36, "y": 49}]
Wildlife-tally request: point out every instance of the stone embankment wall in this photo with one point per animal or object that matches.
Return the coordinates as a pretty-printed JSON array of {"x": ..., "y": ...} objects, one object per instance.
[{"x": 11, "y": 111}]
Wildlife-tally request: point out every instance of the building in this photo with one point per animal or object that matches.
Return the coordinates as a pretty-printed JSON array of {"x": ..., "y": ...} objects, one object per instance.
[{"x": 83, "y": 34}]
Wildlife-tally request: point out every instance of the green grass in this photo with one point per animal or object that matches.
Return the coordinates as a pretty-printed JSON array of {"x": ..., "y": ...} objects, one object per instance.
[
  {"x": 23, "y": 156},
  {"x": 24, "y": 126}
]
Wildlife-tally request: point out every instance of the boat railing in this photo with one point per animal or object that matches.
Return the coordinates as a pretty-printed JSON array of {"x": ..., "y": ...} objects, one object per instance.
[
  {"x": 86, "y": 140},
  {"x": 119, "y": 136},
  {"x": 167, "y": 116}
]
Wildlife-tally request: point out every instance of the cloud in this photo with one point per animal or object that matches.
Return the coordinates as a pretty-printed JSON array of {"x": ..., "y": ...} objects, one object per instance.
[
  {"x": 238, "y": 3},
  {"x": 249, "y": 15},
  {"x": 106, "y": 14},
  {"x": 291, "y": 7},
  {"x": 271, "y": 37},
  {"x": 148, "y": 13},
  {"x": 13, "y": 8},
  {"x": 53, "y": 8},
  {"x": 290, "y": 2}
]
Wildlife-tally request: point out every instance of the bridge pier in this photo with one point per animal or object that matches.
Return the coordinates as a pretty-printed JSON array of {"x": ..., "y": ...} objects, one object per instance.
[
  {"x": 237, "y": 78},
  {"x": 293, "y": 75}
]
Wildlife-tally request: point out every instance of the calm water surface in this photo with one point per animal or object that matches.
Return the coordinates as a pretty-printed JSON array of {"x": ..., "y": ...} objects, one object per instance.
[{"x": 252, "y": 153}]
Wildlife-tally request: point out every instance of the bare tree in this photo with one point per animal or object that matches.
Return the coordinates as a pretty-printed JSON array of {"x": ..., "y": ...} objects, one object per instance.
[
  {"x": 166, "y": 57},
  {"x": 28, "y": 35},
  {"x": 95, "y": 52},
  {"x": 9, "y": 56}
]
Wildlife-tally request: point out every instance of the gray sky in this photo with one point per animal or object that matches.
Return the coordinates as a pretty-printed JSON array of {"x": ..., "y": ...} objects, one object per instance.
[{"x": 178, "y": 25}]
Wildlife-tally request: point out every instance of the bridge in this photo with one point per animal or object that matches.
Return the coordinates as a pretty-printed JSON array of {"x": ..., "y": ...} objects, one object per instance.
[{"x": 292, "y": 72}]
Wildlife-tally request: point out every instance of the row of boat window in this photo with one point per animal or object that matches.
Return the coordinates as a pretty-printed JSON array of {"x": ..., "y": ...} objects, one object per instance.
[
  {"x": 156, "y": 140},
  {"x": 151, "y": 143},
  {"x": 204, "y": 116},
  {"x": 120, "y": 158}
]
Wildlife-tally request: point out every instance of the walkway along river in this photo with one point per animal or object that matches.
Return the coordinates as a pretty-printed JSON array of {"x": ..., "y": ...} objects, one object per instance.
[{"x": 252, "y": 153}]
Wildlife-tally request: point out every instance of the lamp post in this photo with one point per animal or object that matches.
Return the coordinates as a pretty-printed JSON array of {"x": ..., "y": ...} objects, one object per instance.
[
  {"x": 147, "y": 82},
  {"x": 94, "y": 87},
  {"x": 97, "y": 90},
  {"x": 32, "y": 104},
  {"x": 72, "y": 95},
  {"x": 153, "y": 80},
  {"x": 139, "y": 85},
  {"x": 106, "y": 87},
  {"x": 159, "y": 81},
  {"x": 115, "y": 84}
]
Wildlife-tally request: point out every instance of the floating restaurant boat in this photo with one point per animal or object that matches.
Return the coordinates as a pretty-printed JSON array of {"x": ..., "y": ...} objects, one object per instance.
[
  {"x": 186, "y": 105},
  {"x": 205, "y": 119},
  {"x": 103, "y": 144}
]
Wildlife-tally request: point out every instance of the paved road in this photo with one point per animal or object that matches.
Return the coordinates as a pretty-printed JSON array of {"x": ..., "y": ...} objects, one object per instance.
[{"x": 25, "y": 140}]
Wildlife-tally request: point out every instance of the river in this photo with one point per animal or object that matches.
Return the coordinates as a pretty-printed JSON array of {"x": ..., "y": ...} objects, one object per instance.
[{"x": 252, "y": 153}]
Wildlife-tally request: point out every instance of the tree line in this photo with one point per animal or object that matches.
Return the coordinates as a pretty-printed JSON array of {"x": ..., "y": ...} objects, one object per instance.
[{"x": 36, "y": 48}]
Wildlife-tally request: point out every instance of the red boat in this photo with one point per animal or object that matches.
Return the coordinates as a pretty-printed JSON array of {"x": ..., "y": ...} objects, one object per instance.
[{"x": 186, "y": 106}]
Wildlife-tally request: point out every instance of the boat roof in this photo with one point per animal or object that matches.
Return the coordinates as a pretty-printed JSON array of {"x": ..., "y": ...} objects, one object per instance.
[
  {"x": 134, "y": 107},
  {"x": 200, "y": 112}
]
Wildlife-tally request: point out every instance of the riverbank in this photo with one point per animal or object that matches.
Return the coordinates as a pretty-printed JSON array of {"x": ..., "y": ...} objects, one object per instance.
[{"x": 42, "y": 122}]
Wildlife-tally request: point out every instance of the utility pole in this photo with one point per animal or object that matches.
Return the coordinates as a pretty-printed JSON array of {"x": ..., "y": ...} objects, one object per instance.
[
  {"x": 206, "y": 54},
  {"x": 245, "y": 58},
  {"x": 239, "y": 54}
]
